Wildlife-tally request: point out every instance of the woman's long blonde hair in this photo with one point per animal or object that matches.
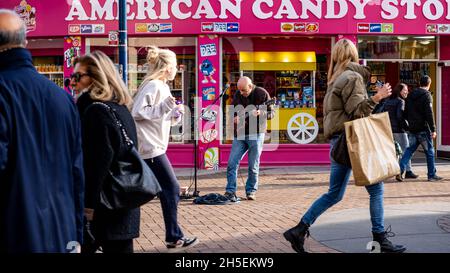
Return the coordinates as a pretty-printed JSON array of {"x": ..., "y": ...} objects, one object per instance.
[
  {"x": 159, "y": 60},
  {"x": 343, "y": 53},
  {"x": 107, "y": 84}
]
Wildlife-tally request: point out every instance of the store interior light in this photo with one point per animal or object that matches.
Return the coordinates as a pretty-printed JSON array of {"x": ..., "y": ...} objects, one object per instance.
[
  {"x": 286, "y": 60},
  {"x": 424, "y": 42},
  {"x": 402, "y": 38},
  {"x": 262, "y": 60},
  {"x": 424, "y": 37},
  {"x": 263, "y": 37}
]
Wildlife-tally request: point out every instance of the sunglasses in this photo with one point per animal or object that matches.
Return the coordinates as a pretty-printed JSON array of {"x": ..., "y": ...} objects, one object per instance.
[{"x": 77, "y": 76}]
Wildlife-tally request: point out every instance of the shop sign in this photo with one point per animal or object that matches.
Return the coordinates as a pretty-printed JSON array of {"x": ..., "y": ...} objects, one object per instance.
[
  {"x": 312, "y": 27},
  {"x": 208, "y": 136},
  {"x": 74, "y": 29},
  {"x": 207, "y": 27},
  {"x": 287, "y": 27},
  {"x": 165, "y": 27},
  {"x": 432, "y": 28},
  {"x": 444, "y": 28},
  {"x": 220, "y": 27},
  {"x": 113, "y": 38},
  {"x": 208, "y": 50},
  {"x": 387, "y": 28},
  {"x": 375, "y": 28},
  {"x": 363, "y": 27},
  {"x": 86, "y": 29},
  {"x": 258, "y": 9},
  {"x": 211, "y": 159},
  {"x": 140, "y": 28},
  {"x": 27, "y": 13},
  {"x": 300, "y": 27},
  {"x": 209, "y": 93},
  {"x": 153, "y": 28},
  {"x": 232, "y": 27},
  {"x": 98, "y": 29}
]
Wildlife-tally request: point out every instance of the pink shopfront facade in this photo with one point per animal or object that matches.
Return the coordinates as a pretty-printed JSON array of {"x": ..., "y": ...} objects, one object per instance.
[{"x": 284, "y": 46}]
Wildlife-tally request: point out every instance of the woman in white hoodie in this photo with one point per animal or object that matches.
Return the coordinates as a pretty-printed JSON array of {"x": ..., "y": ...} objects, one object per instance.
[{"x": 155, "y": 111}]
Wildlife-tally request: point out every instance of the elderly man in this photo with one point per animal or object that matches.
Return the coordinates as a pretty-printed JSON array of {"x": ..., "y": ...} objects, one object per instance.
[
  {"x": 40, "y": 153},
  {"x": 249, "y": 132}
]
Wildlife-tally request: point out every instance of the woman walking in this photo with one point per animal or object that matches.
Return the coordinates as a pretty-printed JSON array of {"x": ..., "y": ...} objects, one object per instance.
[
  {"x": 346, "y": 99},
  {"x": 155, "y": 111},
  {"x": 95, "y": 75},
  {"x": 395, "y": 105}
]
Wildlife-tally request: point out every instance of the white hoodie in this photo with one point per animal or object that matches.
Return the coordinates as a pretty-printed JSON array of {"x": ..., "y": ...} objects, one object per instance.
[{"x": 153, "y": 112}]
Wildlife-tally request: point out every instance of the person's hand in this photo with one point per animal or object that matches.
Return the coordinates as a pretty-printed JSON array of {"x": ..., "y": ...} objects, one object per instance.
[
  {"x": 256, "y": 113},
  {"x": 171, "y": 101},
  {"x": 433, "y": 135},
  {"x": 382, "y": 92},
  {"x": 180, "y": 108},
  {"x": 236, "y": 119},
  {"x": 89, "y": 214}
]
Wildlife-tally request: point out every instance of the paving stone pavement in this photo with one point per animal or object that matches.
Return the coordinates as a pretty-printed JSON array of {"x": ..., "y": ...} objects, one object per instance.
[{"x": 284, "y": 195}]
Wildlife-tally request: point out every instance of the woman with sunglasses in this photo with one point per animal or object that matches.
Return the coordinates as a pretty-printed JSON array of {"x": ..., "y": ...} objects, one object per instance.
[
  {"x": 155, "y": 110},
  {"x": 97, "y": 78}
]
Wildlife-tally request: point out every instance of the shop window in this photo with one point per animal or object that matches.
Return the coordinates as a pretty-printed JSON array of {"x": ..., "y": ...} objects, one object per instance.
[
  {"x": 48, "y": 58},
  {"x": 397, "y": 47},
  {"x": 293, "y": 74},
  {"x": 183, "y": 87}
]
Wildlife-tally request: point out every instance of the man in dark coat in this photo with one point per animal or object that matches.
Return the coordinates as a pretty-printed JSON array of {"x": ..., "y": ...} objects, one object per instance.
[
  {"x": 41, "y": 164},
  {"x": 421, "y": 127}
]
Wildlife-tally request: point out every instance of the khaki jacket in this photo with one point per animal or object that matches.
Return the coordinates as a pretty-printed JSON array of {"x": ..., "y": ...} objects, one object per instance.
[{"x": 346, "y": 99}]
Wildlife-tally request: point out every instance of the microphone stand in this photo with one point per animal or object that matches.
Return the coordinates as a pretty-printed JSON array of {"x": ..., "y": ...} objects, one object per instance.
[{"x": 196, "y": 192}]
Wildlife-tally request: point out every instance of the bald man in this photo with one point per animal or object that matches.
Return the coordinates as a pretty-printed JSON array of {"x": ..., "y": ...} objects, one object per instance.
[
  {"x": 41, "y": 167},
  {"x": 249, "y": 133}
]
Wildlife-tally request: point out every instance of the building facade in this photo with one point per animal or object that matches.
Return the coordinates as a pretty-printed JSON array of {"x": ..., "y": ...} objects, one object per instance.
[{"x": 284, "y": 46}]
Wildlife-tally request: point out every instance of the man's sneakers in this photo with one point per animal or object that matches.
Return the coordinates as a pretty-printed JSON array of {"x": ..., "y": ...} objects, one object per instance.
[
  {"x": 181, "y": 244},
  {"x": 435, "y": 178},
  {"x": 251, "y": 196},
  {"x": 410, "y": 175},
  {"x": 232, "y": 196}
]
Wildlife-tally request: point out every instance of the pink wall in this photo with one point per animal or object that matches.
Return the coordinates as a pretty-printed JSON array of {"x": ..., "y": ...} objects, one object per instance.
[
  {"x": 285, "y": 155},
  {"x": 233, "y": 45},
  {"x": 445, "y": 134},
  {"x": 50, "y": 11},
  {"x": 445, "y": 47}
]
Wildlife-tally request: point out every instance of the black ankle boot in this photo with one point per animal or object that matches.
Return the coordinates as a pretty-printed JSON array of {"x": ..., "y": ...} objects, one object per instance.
[
  {"x": 387, "y": 246},
  {"x": 296, "y": 236}
]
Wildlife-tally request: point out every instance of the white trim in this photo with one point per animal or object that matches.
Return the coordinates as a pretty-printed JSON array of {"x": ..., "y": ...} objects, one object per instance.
[
  {"x": 87, "y": 45},
  {"x": 440, "y": 147},
  {"x": 222, "y": 131},
  {"x": 402, "y": 60}
]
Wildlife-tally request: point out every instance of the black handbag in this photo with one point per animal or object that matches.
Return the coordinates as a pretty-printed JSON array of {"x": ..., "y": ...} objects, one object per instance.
[
  {"x": 130, "y": 182},
  {"x": 339, "y": 151}
]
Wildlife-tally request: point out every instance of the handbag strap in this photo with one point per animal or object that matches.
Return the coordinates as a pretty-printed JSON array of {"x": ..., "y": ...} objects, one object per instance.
[{"x": 128, "y": 141}]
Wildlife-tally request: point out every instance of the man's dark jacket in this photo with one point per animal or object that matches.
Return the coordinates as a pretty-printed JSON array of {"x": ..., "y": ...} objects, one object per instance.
[
  {"x": 419, "y": 111},
  {"x": 41, "y": 164}
]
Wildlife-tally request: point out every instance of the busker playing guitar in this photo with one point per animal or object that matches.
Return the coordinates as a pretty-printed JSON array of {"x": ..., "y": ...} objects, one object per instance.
[{"x": 252, "y": 107}]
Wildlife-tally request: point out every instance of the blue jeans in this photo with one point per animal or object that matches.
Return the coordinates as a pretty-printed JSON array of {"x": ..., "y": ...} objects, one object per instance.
[
  {"x": 339, "y": 178},
  {"x": 169, "y": 196},
  {"x": 254, "y": 145},
  {"x": 402, "y": 139},
  {"x": 416, "y": 139}
]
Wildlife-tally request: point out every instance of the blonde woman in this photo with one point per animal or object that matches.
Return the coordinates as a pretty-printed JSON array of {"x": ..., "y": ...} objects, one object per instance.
[
  {"x": 96, "y": 75},
  {"x": 346, "y": 99},
  {"x": 155, "y": 110}
]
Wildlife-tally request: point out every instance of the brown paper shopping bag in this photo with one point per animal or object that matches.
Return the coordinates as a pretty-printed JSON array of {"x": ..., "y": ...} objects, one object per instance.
[{"x": 371, "y": 149}]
